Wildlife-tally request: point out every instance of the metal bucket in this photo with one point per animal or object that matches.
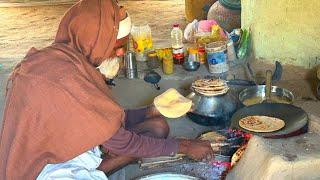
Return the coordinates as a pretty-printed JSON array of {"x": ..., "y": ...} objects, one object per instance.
[{"x": 217, "y": 57}]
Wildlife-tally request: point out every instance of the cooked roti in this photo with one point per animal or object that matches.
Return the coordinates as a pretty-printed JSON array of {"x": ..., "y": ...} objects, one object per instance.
[
  {"x": 172, "y": 104},
  {"x": 210, "y": 87},
  {"x": 209, "y": 82},
  {"x": 261, "y": 123},
  {"x": 238, "y": 154},
  {"x": 213, "y": 92}
]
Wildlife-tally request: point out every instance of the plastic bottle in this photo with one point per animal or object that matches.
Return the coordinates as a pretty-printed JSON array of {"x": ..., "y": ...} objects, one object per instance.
[
  {"x": 177, "y": 45},
  {"x": 202, "y": 54},
  {"x": 244, "y": 45}
]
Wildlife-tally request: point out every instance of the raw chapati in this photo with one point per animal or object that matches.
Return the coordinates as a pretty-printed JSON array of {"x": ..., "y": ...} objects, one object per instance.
[{"x": 172, "y": 104}]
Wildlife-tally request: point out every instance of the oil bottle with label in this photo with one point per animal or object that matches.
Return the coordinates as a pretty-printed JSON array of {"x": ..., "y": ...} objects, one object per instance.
[{"x": 177, "y": 44}]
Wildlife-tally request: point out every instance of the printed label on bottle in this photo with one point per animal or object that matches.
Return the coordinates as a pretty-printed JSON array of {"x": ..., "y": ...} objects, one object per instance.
[{"x": 178, "y": 53}]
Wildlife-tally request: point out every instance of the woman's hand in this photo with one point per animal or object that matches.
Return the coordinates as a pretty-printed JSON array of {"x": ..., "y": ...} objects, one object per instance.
[
  {"x": 191, "y": 109},
  {"x": 196, "y": 149},
  {"x": 152, "y": 111}
]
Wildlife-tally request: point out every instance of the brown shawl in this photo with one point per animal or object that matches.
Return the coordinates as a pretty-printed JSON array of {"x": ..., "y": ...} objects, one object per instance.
[{"x": 58, "y": 105}]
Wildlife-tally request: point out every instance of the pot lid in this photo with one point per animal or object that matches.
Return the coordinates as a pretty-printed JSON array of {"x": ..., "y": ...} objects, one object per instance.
[{"x": 231, "y": 4}]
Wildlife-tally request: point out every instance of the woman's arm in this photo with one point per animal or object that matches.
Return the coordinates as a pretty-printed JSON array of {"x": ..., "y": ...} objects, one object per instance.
[{"x": 128, "y": 143}]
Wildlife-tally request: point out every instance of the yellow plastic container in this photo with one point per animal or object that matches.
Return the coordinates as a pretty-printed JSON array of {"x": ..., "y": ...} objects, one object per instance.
[
  {"x": 167, "y": 65},
  {"x": 197, "y": 9},
  {"x": 166, "y": 52}
]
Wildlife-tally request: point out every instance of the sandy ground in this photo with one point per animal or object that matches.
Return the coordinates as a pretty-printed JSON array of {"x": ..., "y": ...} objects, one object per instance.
[{"x": 25, "y": 27}]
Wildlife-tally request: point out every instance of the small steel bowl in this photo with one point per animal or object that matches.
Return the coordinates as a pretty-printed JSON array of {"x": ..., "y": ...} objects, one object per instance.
[
  {"x": 191, "y": 65},
  {"x": 259, "y": 92}
]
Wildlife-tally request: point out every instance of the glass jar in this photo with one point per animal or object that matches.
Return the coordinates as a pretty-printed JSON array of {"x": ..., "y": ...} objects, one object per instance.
[
  {"x": 193, "y": 54},
  {"x": 152, "y": 60},
  {"x": 167, "y": 65},
  {"x": 141, "y": 40}
]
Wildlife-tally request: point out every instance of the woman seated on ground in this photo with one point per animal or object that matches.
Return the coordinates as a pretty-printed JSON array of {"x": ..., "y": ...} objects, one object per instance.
[{"x": 59, "y": 109}]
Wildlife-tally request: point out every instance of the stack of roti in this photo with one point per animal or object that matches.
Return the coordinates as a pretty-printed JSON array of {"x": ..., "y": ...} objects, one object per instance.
[
  {"x": 172, "y": 104},
  {"x": 210, "y": 87},
  {"x": 261, "y": 123}
]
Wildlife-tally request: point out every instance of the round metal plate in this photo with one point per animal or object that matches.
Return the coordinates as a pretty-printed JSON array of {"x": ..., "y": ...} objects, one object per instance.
[
  {"x": 167, "y": 176},
  {"x": 294, "y": 117}
]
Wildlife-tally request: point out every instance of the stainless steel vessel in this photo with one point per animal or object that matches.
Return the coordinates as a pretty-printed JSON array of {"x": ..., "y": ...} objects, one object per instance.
[
  {"x": 260, "y": 92},
  {"x": 213, "y": 110},
  {"x": 131, "y": 65},
  {"x": 167, "y": 176}
]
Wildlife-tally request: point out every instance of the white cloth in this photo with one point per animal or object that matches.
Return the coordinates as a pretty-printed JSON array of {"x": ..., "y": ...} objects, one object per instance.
[
  {"x": 124, "y": 27},
  {"x": 190, "y": 31},
  {"x": 82, "y": 167},
  {"x": 110, "y": 67}
]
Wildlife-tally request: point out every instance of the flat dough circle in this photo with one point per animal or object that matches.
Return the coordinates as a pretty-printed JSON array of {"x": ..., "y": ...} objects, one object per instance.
[
  {"x": 172, "y": 104},
  {"x": 261, "y": 123},
  {"x": 213, "y": 137}
]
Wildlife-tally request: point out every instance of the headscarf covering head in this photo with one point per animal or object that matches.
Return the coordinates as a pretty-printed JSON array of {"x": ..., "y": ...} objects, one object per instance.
[
  {"x": 96, "y": 39},
  {"x": 58, "y": 105}
]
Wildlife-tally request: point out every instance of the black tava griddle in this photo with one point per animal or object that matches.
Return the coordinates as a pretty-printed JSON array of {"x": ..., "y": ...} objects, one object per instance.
[{"x": 296, "y": 119}]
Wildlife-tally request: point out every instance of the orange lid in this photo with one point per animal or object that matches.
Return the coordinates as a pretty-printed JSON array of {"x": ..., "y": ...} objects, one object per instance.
[
  {"x": 193, "y": 50},
  {"x": 152, "y": 54}
]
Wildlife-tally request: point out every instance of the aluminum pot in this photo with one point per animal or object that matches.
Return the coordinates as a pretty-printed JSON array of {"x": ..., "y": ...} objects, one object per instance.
[{"x": 213, "y": 110}]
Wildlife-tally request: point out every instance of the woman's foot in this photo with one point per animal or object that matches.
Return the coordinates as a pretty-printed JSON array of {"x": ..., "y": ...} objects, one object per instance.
[{"x": 113, "y": 163}]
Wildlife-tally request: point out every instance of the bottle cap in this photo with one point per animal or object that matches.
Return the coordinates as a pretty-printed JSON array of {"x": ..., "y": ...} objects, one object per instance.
[
  {"x": 152, "y": 54},
  {"x": 193, "y": 51}
]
